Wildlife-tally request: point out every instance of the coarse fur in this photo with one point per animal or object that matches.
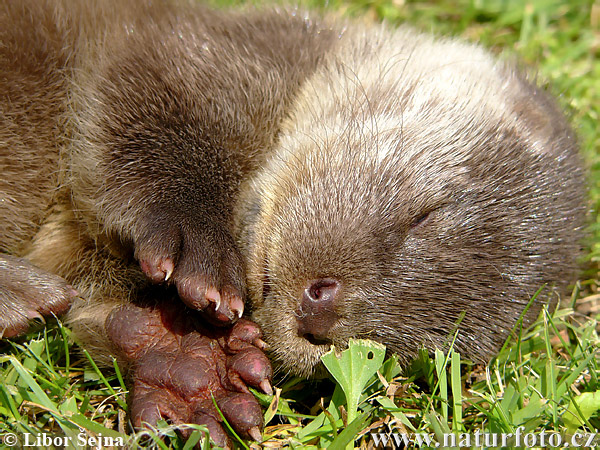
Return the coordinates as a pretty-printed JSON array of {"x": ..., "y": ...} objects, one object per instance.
[
  {"x": 429, "y": 180},
  {"x": 420, "y": 177},
  {"x": 133, "y": 128}
]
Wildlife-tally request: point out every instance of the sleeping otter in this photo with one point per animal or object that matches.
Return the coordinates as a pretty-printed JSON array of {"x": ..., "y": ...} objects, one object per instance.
[
  {"x": 126, "y": 131},
  {"x": 429, "y": 181},
  {"x": 373, "y": 183}
]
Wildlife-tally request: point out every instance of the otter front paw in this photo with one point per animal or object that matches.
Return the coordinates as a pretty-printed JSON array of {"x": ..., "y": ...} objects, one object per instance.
[
  {"x": 179, "y": 367},
  {"x": 28, "y": 292},
  {"x": 199, "y": 257}
]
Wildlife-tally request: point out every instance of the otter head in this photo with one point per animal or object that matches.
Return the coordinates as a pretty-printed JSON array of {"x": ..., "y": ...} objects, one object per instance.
[{"x": 394, "y": 208}]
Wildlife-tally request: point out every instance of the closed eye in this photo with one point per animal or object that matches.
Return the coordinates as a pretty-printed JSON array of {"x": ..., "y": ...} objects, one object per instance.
[{"x": 421, "y": 220}]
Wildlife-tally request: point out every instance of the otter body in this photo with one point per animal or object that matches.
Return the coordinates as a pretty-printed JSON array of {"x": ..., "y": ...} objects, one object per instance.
[
  {"x": 126, "y": 130},
  {"x": 365, "y": 182},
  {"x": 142, "y": 121}
]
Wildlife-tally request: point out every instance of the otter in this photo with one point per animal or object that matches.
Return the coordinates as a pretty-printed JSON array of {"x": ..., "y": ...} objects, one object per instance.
[
  {"x": 126, "y": 131},
  {"x": 414, "y": 181},
  {"x": 162, "y": 159}
]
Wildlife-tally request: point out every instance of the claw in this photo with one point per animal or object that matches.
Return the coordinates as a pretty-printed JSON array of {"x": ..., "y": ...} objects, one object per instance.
[
  {"x": 255, "y": 434},
  {"x": 266, "y": 387},
  {"x": 158, "y": 271},
  {"x": 212, "y": 295},
  {"x": 237, "y": 306},
  {"x": 33, "y": 314},
  {"x": 260, "y": 344},
  {"x": 168, "y": 267}
]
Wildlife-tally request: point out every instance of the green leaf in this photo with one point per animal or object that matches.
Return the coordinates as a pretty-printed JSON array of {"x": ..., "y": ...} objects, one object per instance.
[
  {"x": 312, "y": 427},
  {"x": 390, "y": 368},
  {"x": 347, "y": 436},
  {"x": 534, "y": 409},
  {"x": 572, "y": 375},
  {"x": 391, "y": 407},
  {"x": 193, "y": 440},
  {"x": 442, "y": 385},
  {"x": 118, "y": 399},
  {"x": 36, "y": 348},
  {"x": 68, "y": 407},
  {"x": 273, "y": 407},
  {"x": 87, "y": 424},
  {"x": 581, "y": 409},
  {"x": 510, "y": 399},
  {"x": 440, "y": 427},
  {"x": 456, "y": 385},
  {"x": 39, "y": 396},
  {"x": 354, "y": 368}
]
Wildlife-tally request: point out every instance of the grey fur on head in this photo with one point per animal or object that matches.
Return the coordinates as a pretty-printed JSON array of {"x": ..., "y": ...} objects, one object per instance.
[{"x": 426, "y": 179}]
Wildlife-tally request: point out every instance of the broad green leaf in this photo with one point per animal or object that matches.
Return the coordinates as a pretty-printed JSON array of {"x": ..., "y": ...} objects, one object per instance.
[
  {"x": 354, "y": 368},
  {"x": 587, "y": 403}
]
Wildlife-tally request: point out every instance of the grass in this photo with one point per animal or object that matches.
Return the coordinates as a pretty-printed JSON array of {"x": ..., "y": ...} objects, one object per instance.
[
  {"x": 539, "y": 384},
  {"x": 546, "y": 380}
]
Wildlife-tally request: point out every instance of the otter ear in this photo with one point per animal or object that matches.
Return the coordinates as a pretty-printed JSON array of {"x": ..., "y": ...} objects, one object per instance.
[{"x": 539, "y": 122}]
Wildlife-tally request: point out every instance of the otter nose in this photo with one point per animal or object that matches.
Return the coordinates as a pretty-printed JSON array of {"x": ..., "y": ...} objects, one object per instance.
[{"x": 316, "y": 314}]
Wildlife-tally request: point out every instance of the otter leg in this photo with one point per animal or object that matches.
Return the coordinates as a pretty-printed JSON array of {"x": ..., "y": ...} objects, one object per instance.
[
  {"x": 176, "y": 363},
  {"x": 28, "y": 292},
  {"x": 153, "y": 165}
]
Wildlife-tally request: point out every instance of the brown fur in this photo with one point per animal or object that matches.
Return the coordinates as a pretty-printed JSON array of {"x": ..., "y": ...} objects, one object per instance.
[
  {"x": 127, "y": 130},
  {"x": 427, "y": 187},
  {"x": 430, "y": 181}
]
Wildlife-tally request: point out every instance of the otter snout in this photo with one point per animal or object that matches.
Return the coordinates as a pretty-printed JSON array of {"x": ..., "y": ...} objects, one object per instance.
[{"x": 316, "y": 314}]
